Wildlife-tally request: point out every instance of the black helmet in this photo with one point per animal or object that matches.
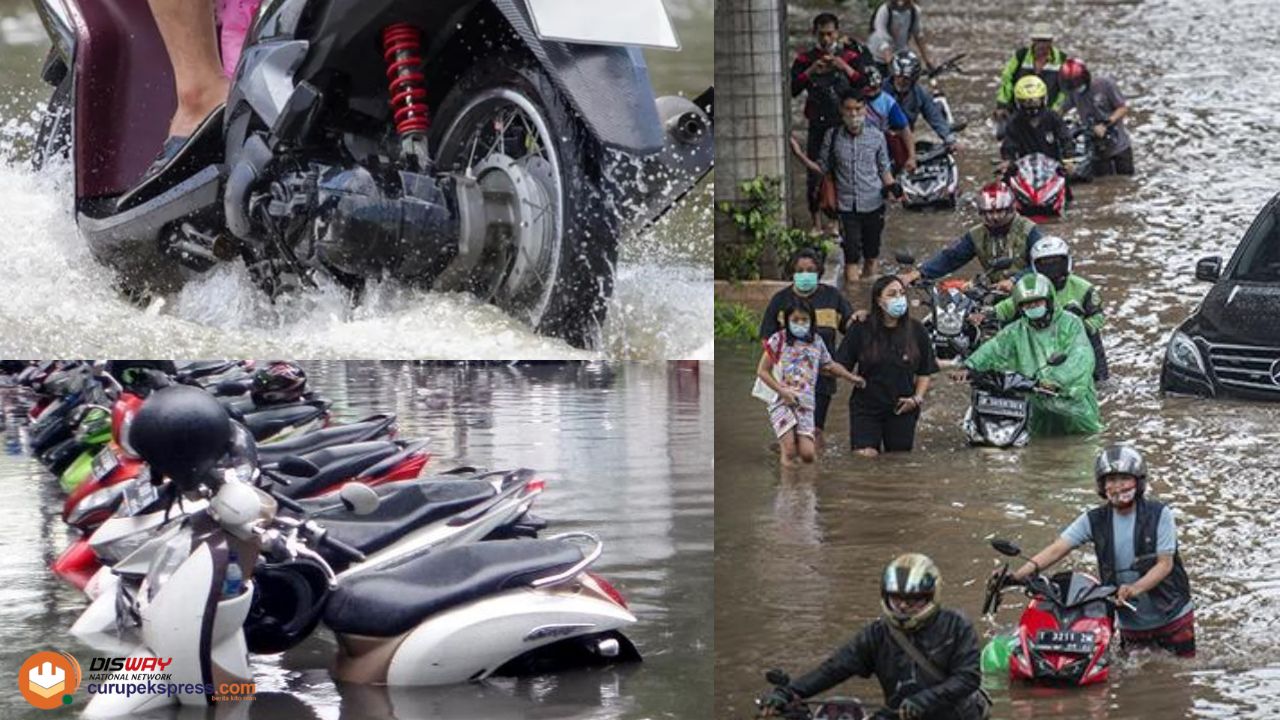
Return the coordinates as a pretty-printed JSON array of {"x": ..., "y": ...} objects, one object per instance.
[
  {"x": 905, "y": 64},
  {"x": 182, "y": 432},
  {"x": 288, "y": 600},
  {"x": 280, "y": 382},
  {"x": 874, "y": 82},
  {"x": 1119, "y": 460}
]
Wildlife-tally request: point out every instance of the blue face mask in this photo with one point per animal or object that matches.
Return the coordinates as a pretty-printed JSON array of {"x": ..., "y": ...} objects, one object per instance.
[
  {"x": 800, "y": 330},
  {"x": 1036, "y": 313},
  {"x": 896, "y": 307},
  {"x": 806, "y": 282}
]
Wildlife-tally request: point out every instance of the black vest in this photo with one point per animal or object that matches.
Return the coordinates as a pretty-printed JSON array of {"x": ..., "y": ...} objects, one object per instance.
[{"x": 1172, "y": 594}]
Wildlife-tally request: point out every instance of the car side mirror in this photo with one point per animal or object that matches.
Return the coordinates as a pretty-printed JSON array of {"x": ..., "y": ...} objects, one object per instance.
[{"x": 1209, "y": 269}]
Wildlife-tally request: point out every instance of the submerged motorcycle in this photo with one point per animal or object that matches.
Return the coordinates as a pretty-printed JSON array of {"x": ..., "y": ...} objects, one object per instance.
[
  {"x": 1064, "y": 634},
  {"x": 832, "y": 708},
  {"x": 1039, "y": 185},
  {"x": 497, "y": 147},
  {"x": 936, "y": 179},
  {"x": 999, "y": 413},
  {"x": 952, "y": 302}
]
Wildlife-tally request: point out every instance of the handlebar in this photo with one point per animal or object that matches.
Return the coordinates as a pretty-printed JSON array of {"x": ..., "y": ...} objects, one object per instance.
[{"x": 342, "y": 548}]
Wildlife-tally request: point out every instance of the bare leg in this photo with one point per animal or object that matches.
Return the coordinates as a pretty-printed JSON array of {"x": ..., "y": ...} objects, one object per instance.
[
  {"x": 788, "y": 443},
  {"x": 191, "y": 39},
  {"x": 850, "y": 273},
  {"x": 867, "y": 452},
  {"x": 868, "y": 268},
  {"x": 807, "y": 454}
]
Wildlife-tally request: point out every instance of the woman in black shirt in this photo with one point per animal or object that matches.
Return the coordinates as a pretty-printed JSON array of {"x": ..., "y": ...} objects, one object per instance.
[{"x": 892, "y": 352}]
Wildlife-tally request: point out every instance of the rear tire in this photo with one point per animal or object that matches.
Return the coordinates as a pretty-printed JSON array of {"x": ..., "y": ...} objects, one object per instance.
[{"x": 576, "y": 274}]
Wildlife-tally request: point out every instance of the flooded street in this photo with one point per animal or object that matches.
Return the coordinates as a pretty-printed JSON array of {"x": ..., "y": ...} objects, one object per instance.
[
  {"x": 626, "y": 452},
  {"x": 798, "y": 554},
  {"x": 60, "y": 301}
]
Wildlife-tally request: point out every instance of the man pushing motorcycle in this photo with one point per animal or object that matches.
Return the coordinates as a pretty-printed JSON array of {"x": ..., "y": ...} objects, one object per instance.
[
  {"x": 1124, "y": 530},
  {"x": 1027, "y": 345},
  {"x": 925, "y": 656}
]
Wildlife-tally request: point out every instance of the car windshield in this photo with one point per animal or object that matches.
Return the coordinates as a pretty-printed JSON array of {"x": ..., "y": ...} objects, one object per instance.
[{"x": 1260, "y": 256}]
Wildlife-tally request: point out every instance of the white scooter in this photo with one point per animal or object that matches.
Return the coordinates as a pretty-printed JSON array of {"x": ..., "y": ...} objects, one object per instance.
[{"x": 443, "y": 617}]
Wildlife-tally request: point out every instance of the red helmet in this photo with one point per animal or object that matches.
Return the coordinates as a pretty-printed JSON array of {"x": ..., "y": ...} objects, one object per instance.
[
  {"x": 279, "y": 382},
  {"x": 995, "y": 205},
  {"x": 1073, "y": 74}
]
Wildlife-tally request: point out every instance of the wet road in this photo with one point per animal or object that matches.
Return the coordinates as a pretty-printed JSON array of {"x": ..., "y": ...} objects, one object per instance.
[
  {"x": 60, "y": 302},
  {"x": 626, "y": 451},
  {"x": 798, "y": 554}
]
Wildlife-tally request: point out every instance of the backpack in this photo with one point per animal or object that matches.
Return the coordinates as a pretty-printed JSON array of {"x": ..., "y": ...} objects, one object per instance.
[{"x": 885, "y": 6}]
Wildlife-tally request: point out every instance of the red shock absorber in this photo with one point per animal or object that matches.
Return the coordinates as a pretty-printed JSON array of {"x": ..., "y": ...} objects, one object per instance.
[{"x": 401, "y": 49}]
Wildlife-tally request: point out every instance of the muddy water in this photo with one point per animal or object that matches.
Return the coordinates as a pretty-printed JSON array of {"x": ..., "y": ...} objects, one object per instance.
[
  {"x": 797, "y": 554},
  {"x": 59, "y": 301},
  {"x": 626, "y": 450}
]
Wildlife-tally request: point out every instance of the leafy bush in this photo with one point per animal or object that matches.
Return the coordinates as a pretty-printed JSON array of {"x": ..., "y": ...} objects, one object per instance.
[
  {"x": 759, "y": 217},
  {"x": 734, "y": 321}
]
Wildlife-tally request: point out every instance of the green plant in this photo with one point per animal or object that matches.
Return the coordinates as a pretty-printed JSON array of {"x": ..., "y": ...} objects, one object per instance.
[
  {"x": 759, "y": 218},
  {"x": 734, "y": 321}
]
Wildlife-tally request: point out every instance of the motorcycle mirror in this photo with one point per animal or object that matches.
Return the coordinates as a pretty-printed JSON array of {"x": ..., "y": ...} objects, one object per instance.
[
  {"x": 1006, "y": 547},
  {"x": 297, "y": 467},
  {"x": 359, "y": 498},
  {"x": 1057, "y": 359},
  {"x": 904, "y": 258},
  {"x": 777, "y": 677}
]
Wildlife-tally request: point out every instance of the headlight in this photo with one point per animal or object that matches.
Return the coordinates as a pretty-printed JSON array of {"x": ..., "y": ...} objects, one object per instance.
[
  {"x": 950, "y": 322},
  {"x": 1183, "y": 353},
  {"x": 176, "y": 550},
  {"x": 97, "y": 500}
]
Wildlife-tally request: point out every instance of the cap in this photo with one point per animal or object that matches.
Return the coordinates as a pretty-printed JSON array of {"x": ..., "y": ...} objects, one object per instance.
[{"x": 1041, "y": 31}]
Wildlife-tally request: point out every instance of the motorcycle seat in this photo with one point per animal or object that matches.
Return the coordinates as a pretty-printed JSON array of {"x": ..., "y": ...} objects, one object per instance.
[
  {"x": 205, "y": 368},
  {"x": 401, "y": 512},
  {"x": 366, "y": 429},
  {"x": 338, "y": 463},
  {"x": 265, "y": 422},
  {"x": 405, "y": 591}
]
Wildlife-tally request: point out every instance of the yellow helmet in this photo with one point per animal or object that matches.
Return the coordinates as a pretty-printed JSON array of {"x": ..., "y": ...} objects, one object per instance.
[{"x": 1030, "y": 89}]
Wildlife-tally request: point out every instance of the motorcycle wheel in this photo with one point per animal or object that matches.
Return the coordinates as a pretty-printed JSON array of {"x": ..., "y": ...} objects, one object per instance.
[{"x": 558, "y": 281}]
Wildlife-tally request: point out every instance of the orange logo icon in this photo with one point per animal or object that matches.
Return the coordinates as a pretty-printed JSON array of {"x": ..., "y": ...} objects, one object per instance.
[{"x": 47, "y": 679}]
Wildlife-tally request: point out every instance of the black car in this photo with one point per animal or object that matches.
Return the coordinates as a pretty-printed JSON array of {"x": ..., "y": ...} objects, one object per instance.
[{"x": 1230, "y": 346}]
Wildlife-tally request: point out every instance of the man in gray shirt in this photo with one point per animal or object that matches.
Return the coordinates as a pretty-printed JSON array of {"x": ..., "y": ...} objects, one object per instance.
[
  {"x": 857, "y": 155},
  {"x": 900, "y": 20},
  {"x": 1101, "y": 108},
  {"x": 1127, "y": 527}
]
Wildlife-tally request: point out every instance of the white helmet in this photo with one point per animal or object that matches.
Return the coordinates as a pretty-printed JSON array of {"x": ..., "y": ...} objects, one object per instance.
[{"x": 1050, "y": 246}]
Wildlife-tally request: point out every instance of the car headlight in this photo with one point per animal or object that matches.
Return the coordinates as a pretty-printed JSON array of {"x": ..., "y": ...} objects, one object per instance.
[{"x": 1183, "y": 353}]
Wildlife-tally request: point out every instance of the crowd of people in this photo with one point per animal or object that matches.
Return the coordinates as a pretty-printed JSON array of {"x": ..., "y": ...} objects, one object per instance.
[{"x": 862, "y": 102}]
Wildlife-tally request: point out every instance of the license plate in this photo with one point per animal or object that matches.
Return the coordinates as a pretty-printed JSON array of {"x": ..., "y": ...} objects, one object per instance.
[
  {"x": 605, "y": 22},
  {"x": 1007, "y": 407},
  {"x": 104, "y": 462},
  {"x": 1063, "y": 641},
  {"x": 139, "y": 495}
]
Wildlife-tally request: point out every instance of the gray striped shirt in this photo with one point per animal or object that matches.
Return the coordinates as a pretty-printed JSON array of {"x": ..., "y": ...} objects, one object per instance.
[{"x": 860, "y": 162}]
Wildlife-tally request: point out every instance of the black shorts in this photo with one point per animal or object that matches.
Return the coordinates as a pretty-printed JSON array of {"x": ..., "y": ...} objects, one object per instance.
[
  {"x": 860, "y": 235},
  {"x": 884, "y": 432}
]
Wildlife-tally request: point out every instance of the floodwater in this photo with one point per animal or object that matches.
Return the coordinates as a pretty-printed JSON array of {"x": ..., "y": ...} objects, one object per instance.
[
  {"x": 626, "y": 450},
  {"x": 798, "y": 553},
  {"x": 58, "y": 300}
]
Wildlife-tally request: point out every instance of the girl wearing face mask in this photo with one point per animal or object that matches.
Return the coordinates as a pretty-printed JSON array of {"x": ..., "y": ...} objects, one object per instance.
[
  {"x": 893, "y": 352},
  {"x": 799, "y": 356},
  {"x": 831, "y": 309}
]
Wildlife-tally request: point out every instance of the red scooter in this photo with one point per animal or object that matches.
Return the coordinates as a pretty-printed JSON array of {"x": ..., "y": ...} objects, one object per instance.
[{"x": 1064, "y": 634}]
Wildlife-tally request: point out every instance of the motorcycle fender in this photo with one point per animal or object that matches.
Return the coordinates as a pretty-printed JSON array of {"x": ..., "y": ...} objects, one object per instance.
[
  {"x": 608, "y": 86},
  {"x": 470, "y": 641},
  {"x": 176, "y": 623}
]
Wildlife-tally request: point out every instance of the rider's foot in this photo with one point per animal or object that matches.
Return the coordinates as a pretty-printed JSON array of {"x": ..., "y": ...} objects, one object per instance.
[{"x": 195, "y": 104}]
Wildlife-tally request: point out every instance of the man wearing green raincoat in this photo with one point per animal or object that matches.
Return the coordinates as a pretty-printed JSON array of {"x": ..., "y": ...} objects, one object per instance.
[{"x": 1025, "y": 346}]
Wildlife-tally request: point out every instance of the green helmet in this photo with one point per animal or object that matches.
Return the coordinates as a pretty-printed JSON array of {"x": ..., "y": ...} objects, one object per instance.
[
  {"x": 910, "y": 575},
  {"x": 1032, "y": 287}
]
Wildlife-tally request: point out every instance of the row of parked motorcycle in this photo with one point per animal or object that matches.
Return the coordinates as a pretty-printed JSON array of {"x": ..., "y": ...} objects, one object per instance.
[{"x": 218, "y": 511}]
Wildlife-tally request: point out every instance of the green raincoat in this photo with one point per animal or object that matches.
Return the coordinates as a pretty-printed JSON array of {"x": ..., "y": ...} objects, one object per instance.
[{"x": 1022, "y": 349}]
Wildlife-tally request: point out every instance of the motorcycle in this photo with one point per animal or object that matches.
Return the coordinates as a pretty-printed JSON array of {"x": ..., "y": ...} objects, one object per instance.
[
  {"x": 1039, "y": 186},
  {"x": 936, "y": 179},
  {"x": 832, "y": 708},
  {"x": 496, "y": 147},
  {"x": 1064, "y": 634},
  {"x": 999, "y": 413},
  {"x": 952, "y": 302},
  {"x": 457, "y": 615}
]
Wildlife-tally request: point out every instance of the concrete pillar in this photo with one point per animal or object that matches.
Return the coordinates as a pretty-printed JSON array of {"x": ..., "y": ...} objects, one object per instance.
[{"x": 752, "y": 117}]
